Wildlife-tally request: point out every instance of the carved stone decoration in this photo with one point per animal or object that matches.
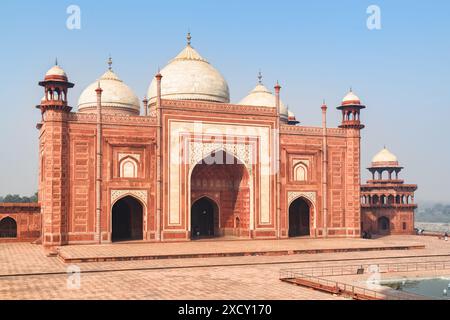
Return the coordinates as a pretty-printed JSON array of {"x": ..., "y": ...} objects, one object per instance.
[
  {"x": 142, "y": 195},
  {"x": 311, "y": 196},
  {"x": 132, "y": 155},
  {"x": 199, "y": 150}
]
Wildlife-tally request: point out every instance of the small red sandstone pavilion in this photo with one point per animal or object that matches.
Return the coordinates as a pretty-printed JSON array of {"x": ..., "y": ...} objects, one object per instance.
[{"x": 387, "y": 202}]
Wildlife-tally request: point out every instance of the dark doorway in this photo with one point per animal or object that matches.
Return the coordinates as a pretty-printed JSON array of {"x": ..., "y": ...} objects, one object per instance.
[
  {"x": 299, "y": 212},
  {"x": 384, "y": 225},
  {"x": 203, "y": 216},
  {"x": 127, "y": 220},
  {"x": 8, "y": 228}
]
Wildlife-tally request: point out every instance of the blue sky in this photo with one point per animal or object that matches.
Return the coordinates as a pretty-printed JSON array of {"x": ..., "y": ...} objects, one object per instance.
[{"x": 316, "y": 49}]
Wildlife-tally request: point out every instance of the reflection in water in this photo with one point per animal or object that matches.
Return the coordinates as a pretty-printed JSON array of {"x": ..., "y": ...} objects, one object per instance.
[{"x": 432, "y": 288}]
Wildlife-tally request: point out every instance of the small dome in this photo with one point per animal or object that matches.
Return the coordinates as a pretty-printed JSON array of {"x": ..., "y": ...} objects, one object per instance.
[
  {"x": 384, "y": 158},
  {"x": 291, "y": 118},
  {"x": 260, "y": 96},
  {"x": 56, "y": 73},
  {"x": 191, "y": 77},
  {"x": 291, "y": 115},
  {"x": 351, "y": 98},
  {"x": 117, "y": 97}
]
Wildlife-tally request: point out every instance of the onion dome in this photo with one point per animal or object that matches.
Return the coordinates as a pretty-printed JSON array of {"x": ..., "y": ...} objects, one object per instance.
[
  {"x": 189, "y": 76},
  {"x": 351, "y": 99},
  {"x": 260, "y": 96},
  {"x": 385, "y": 158},
  {"x": 117, "y": 97}
]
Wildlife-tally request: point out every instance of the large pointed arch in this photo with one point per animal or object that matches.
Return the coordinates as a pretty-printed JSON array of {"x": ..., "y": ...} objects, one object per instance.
[{"x": 229, "y": 183}]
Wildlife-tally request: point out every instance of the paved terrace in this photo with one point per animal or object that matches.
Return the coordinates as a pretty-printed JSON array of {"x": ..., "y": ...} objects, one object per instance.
[
  {"x": 26, "y": 273},
  {"x": 223, "y": 248}
]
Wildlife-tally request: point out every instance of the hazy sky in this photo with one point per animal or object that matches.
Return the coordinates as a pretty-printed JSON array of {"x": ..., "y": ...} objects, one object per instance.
[{"x": 316, "y": 49}]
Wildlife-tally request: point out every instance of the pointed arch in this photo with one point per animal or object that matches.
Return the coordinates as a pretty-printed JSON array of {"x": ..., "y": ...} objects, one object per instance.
[
  {"x": 301, "y": 172},
  {"x": 8, "y": 228}
]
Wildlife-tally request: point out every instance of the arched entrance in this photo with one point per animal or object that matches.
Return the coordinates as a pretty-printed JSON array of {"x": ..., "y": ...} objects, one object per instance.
[
  {"x": 204, "y": 218},
  {"x": 127, "y": 220},
  {"x": 8, "y": 228},
  {"x": 224, "y": 178},
  {"x": 299, "y": 218},
  {"x": 384, "y": 225}
]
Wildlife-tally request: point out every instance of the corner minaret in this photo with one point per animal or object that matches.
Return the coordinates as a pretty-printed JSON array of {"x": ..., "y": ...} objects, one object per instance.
[
  {"x": 56, "y": 86},
  {"x": 351, "y": 107},
  {"x": 387, "y": 202},
  {"x": 54, "y": 158}
]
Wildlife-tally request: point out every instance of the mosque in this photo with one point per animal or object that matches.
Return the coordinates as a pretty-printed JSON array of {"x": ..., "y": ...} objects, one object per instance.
[{"x": 186, "y": 163}]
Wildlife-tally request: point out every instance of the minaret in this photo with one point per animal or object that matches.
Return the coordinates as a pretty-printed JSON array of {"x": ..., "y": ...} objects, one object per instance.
[
  {"x": 277, "y": 152},
  {"x": 324, "y": 169},
  {"x": 99, "y": 167},
  {"x": 54, "y": 154},
  {"x": 159, "y": 164},
  {"x": 351, "y": 107},
  {"x": 387, "y": 202},
  {"x": 56, "y": 86}
]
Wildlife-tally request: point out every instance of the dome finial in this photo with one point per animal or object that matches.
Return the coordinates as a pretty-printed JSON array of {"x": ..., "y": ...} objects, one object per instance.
[
  {"x": 351, "y": 89},
  {"x": 259, "y": 77},
  {"x": 110, "y": 62},
  {"x": 189, "y": 38},
  {"x": 56, "y": 61}
]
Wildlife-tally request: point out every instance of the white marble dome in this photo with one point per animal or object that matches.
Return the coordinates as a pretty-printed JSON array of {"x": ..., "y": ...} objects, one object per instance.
[
  {"x": 56, "y": 71},
  {"x": 384, "y": 157},
  {"x": 260, "y": 96},
  {"x": 191, "y": 77},
  {"x": 117, "y": 97},
  {"x": 351, "y": 98}
]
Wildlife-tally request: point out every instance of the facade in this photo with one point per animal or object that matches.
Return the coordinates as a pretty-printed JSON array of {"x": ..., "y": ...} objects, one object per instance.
[
  {"x": 387, "y": 202},
  {"x": 189, "y": 164}
]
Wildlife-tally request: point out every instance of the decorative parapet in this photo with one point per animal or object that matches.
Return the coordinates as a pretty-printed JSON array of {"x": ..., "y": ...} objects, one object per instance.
[
  {"x": 218, "y": 107},
  {"x": 312, "y": 131},
  {"x": 106, "y": 118}
]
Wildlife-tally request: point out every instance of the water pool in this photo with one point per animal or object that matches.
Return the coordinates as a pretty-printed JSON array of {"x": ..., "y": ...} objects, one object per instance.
[{"x": 431, "y": 288}]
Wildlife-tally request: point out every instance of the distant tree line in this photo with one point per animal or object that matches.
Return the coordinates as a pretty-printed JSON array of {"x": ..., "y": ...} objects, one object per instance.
[
  {"x": 15, "y": 198},
  {"x": 435, "y": 213}
]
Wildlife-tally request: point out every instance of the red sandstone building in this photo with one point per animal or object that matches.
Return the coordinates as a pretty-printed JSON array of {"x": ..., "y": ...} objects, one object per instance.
[
  {"x": 189, "y": 164},
  {"x": 387, "y": 202}
]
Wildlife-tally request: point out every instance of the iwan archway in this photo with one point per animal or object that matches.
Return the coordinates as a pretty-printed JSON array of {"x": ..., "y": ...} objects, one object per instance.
[
  {"x": 127, "y": 220},
  {"x": 220, "y": 197},
  {"x": 300, "y": 218}
]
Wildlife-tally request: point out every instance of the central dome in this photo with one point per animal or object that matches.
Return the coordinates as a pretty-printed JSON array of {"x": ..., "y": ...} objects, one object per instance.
[{"x": 191, "y": 77}]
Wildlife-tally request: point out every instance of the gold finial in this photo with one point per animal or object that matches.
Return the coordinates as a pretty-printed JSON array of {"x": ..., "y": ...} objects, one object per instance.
[
  {"x": 259, "y": 77},
  {"x": 189, "y": 38},
  {"x": 110, "y": 62}
]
